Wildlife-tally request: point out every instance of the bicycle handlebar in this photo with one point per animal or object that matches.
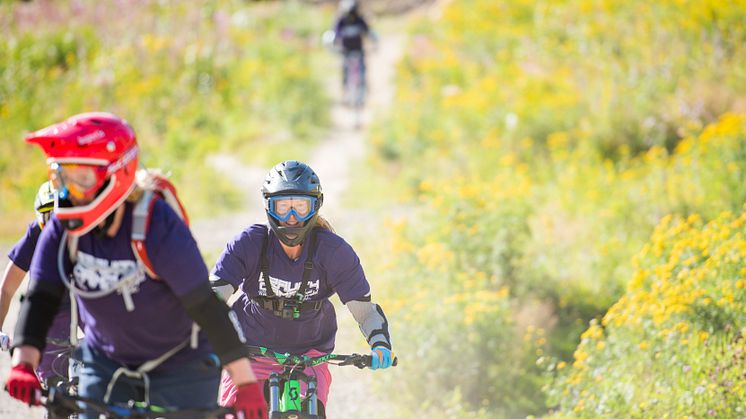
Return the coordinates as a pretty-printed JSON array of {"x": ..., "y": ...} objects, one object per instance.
[{"x": 360, "y": 361}]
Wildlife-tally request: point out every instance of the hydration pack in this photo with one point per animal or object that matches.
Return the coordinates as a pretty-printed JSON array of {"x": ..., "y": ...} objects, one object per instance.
[
  {"x": 156, "y": 186},
  {"x": 153, "y": 185}
]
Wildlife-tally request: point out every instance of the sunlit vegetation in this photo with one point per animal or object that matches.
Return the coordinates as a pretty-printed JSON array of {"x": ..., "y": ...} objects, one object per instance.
[
  {"x": 675, "y": 344},
  {"x": 536, "y": 146},
  {"x": 193, "y": 78}
]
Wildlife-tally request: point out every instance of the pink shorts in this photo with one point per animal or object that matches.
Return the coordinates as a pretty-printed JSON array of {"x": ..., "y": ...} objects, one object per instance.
[{"x": 263, "y": 369}]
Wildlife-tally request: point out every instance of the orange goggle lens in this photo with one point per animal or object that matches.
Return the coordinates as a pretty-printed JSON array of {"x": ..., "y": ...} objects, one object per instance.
[{"x": 80, "y": 181}]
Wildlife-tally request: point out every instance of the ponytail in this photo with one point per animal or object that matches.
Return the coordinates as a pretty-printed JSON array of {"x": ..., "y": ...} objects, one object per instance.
[
  {"x": 145, "y": 179},
  {"x": 322, "y": 222}
]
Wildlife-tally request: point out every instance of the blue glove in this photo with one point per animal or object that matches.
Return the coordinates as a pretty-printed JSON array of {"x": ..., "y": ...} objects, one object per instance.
[
  {"x": 4, "y": 341},
  {"x": 382, "y": 357}
]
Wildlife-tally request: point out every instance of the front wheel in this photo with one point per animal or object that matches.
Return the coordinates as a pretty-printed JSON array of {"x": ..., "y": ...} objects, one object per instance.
[{"x": 354, "y": 80}]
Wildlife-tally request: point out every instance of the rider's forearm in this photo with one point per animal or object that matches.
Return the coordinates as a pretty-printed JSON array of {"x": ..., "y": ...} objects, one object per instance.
[
  {"x": 372, "y": 322},
  {"x": 219, "y": 324},
  {"x": 222, "y": 288},
  {"x": 240, "y": 372},
  {"x": 37, "y": 313},
  {"x": 26, "y": 354},
  {"x": 373, "y": 36},
  {"x": 12, "y": 279}
]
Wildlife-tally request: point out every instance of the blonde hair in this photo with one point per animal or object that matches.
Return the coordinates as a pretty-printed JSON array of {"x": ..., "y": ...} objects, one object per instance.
[
  {"x": 144, "y": 179},
  {"x": 322, "y": 222}
]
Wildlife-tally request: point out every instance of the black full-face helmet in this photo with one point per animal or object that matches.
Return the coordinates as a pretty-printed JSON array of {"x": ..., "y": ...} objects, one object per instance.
[
  {"x": 292, "y": 189},
  {"x": 348, "y": 7}
]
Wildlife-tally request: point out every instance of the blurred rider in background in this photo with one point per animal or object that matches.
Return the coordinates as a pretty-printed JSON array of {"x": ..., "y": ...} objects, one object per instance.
[
  {"x": 52, "y": 368},
  {"x": 350, "y": 29}
]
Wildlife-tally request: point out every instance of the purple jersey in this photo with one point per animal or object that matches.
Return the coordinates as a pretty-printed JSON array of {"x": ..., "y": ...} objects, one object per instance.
[
  {"x": 21, "y": 255},
  {"x": 158, "y": 322},
  {"x": 350, "y": 30},
  {"x": 23, "y": 250},
  {"x": 336, "y": 269}
]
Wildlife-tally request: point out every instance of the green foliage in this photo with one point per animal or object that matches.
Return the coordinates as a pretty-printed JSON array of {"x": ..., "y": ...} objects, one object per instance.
[
  {"x": 675, "y": 343},
  {"x": 192, "y": 78},
  {"x": 536, "y": 145},
  {"x": 465, "y": 335}
]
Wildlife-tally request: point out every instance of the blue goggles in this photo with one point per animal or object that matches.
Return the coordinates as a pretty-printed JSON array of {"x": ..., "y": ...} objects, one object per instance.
[{"x": 303, "y": 207}]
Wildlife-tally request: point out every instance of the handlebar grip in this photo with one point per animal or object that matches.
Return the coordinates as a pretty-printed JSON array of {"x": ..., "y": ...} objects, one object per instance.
[{"x": 367, "y": 360}]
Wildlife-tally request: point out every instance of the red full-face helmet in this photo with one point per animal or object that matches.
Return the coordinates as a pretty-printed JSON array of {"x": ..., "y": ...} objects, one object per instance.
[{"x": 92, "y": 159}]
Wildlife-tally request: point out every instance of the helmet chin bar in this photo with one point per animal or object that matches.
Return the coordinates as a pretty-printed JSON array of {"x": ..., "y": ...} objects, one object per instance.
[
  {"x": 72, "y": 223},
  {"x": 291, "y": 236},
  {"x": 79, "y": 220}
]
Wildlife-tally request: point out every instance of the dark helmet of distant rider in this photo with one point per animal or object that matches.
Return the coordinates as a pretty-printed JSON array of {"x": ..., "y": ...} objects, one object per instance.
[
  {"x": 292, "y": 178},
  {"x": 349, "y": 7}
]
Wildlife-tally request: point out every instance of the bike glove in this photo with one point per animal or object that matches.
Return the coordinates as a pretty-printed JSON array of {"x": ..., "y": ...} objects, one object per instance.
[
  {"x": 22, "y": 384},
  {"x": 250, "y": 402},
  {"x": 4, "y": 342},
  {"x": 382, "y": 357}
]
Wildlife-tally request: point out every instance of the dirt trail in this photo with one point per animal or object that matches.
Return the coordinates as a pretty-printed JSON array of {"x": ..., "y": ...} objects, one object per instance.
[{"x": 352, "y": 393}]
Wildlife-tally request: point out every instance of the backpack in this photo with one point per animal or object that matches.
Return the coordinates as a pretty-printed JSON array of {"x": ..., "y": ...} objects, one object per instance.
[
  {"x": 154, "y": 185},
  {"x": 157, "y": 186}
]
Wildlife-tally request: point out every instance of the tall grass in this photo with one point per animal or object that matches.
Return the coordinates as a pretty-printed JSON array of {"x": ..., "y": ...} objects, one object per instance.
[
  {"x": 193, "y": 78},
  {"x": 535, "y": 146}
]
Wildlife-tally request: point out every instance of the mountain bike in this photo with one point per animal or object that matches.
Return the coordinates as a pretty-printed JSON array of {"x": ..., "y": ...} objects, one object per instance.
[
  {"x": 286, "y": 401},
  {"x": 60, "y": 404},
  {"x": 354, "y": 83},
  {"x": 64, "y": 377}
]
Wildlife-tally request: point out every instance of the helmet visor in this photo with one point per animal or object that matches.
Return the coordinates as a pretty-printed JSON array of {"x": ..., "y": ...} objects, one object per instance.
[
  {"x": 301, "y": 206},
  {"x": 79, "y": 181}
]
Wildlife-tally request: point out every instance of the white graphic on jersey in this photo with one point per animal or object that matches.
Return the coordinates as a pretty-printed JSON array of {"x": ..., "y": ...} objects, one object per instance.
[
  {"x": 287, "y": 289},
  {"x": 351, "y": 31},
  {"x": 95, "y": 274}
]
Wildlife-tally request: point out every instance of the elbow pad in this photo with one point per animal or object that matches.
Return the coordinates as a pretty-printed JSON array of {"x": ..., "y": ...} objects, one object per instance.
[
  {"x": 372, "y": 322},
  {"x": 221, "y": 287},
  {"x": 219, "y": 323},
  {"x": 37, "y": 314}
]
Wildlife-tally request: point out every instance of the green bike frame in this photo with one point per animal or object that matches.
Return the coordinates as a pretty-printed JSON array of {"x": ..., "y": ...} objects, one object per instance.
[
  {"x": 285, "y": 396},
  {"x": 291, "y": 399}
]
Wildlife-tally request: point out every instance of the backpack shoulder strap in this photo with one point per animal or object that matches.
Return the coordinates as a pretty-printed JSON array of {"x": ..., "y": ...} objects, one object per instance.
[
  {"x": 140, "y": 221},
  {"x": 167, "y": 191},
  {"x": 264, "y": 264},
  {"x": 307, "y": 266},
  {"x": 158, "y": 187}
]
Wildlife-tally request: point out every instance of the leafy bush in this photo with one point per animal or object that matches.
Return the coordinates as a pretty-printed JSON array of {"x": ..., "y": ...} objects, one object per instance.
[
  {"x": 675, "y": 343},
  {"x": 540, "y": 143}
]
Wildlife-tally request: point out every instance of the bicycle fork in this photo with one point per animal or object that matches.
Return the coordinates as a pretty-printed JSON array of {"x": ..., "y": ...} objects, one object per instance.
[
  {"x": 290, "y": 400},
  {"x": 274, "y": 396}
]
